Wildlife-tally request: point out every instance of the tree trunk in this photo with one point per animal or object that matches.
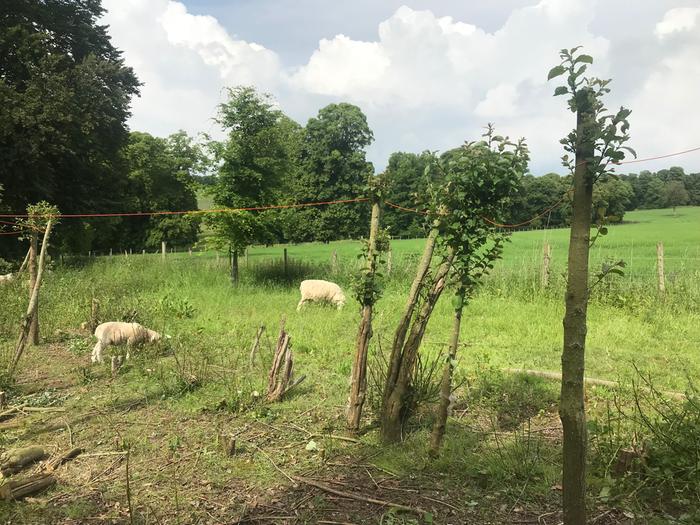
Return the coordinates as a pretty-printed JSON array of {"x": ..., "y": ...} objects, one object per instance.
[
  {"x": 234, "y": 267},
  {"x": 396, "y": 391},
  {"x": 446, "y": 382},
  {"x": 358, "y": 377},
  {"x": 571, "y": 408},
  {"x": 34, "y": 325},
  {"x": 405, "y": 321},
  {"x": 33, "y": 303}
]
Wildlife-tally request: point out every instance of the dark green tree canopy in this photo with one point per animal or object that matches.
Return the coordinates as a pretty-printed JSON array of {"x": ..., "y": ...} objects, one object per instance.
[{"x": 64, "y": 102}]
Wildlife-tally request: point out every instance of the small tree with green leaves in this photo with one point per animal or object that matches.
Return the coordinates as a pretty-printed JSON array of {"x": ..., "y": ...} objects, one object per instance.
[
  {"x": 675, "y": 194},
  {"x": 597, "y": 142},
  {"x": 252, "y": 164},
  {"x": 480, "y": 179}
]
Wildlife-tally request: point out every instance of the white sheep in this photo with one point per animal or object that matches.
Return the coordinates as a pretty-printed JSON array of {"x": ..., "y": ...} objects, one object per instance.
[
  {"x": 318, "y": 290},
  {"x": 115, "y": 333}
]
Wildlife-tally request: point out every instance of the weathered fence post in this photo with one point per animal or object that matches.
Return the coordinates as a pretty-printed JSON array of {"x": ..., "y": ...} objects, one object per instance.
[
  {"x": 189, "y": 251},
  {"x": 660, "y": 266},
  {"x": 33, "y": 303},
  {"x": 388, "y": 262},
  {"x": 34, "y": 326},
  {"x": 162, "y": 250},
  {"x": 334, "y": 262},
  {"x": 286, "y": 273},
  {"x": 110, "y": 252},
  {"x": 94, "y": 314},
  {"x": 546, "y": 257}
]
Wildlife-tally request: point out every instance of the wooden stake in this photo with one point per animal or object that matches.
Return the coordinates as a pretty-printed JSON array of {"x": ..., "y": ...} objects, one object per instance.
[
  {"x": 546, "y": 257},
  {"x": 33, "y": 303},
  {"x": 33, "y": 250},
  {"x": 94, "y": 314},
  {"x": 334, "y": 262},
  {"x": 256, "y": 345},
  {"x": 162, "y": 250},
  {"x": 660, "y": 266},
  {"x": 228, "y": 444}
]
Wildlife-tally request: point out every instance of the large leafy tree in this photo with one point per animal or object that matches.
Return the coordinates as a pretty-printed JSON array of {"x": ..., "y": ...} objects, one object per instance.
[
  {"x": 64, "y": 101},
  {"x": 160, "y": 175},
  {"x": 407, "y": 181},
  {"x": 332, "y": 167},
  {"x": 253, "y": 163}
]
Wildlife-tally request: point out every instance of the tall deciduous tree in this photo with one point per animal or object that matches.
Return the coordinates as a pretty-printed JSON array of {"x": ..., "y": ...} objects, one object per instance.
[
  {"x": 333, "y": 167},
  {"x": 64, "y": 101},
  {"x": 597, "y": 141},
  {"x": 253, "y": 162},
  {"x": 675, "y": 194},
  {"x": 407, "y": 181}
]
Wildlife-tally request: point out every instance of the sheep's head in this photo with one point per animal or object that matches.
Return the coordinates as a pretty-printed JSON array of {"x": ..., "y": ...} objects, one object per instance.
[{"x": 153, "y": 336}]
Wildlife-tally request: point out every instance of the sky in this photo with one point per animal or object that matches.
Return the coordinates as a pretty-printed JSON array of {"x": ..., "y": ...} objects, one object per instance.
[{"x": 428, "y": 74}]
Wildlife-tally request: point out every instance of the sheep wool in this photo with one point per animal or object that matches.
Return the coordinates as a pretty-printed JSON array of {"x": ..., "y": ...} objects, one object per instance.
[
  {"x": 318, "y": 290},
  {"x": 116, "y": 333}
]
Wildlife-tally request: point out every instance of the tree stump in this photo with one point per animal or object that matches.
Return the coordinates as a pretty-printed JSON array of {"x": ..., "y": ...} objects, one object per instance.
[{"x": 280, "y": 379}]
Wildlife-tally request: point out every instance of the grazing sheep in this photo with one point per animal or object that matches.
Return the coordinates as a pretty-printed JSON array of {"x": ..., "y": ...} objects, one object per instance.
[
  {"x": 318, "y": 290},
  {"x": 115, "y": 333},
  {"x": 6, "y": 278}
]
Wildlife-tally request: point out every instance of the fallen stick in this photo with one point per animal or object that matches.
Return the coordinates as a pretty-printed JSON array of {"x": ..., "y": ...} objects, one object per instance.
[
  {"x": 356, "y": 496},
  {"x": 587, "y": 380},
  {"x": 60, "y": 460},
  {"x": 20, "y": 488}
]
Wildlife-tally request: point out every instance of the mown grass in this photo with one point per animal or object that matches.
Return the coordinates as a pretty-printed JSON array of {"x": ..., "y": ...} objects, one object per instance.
[{"x": 202, "y": 373}]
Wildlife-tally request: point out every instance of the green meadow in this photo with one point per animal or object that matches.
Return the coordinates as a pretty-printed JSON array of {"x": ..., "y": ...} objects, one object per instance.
[{"x": 199, "y": 381}]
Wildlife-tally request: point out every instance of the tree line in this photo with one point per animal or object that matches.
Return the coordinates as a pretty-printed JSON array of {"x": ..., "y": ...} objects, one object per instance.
[{"x": 65, "y": 95}]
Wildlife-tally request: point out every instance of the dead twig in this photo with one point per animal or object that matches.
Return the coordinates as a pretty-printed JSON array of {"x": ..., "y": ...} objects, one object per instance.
[{"x": 356, "y": 496}]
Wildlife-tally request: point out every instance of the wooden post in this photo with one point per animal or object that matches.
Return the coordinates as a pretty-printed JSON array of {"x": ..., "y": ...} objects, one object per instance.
[
  {"x": 388, "y": 262},
  {"x": 94, "y": 314},
  {"x": 110, "y": 252},
  {"x": 546, "y": 257},
  {"x": 33, "y": 303},
  {"x": 358, "y": 377},
  {"x": 33, "y": 249},
  {"x": 162, "y": 250},
  {"x": 286, "y": 273},
  {"x": 334, "y": 262},
  {"x": 660, "y": 266},
  {"x": 189, "y": 251},
  {"x": 143, "y": 252}
]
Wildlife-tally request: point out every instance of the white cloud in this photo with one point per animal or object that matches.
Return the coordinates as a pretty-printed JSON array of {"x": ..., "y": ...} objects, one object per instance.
[
  {"x": 428, "y": 81},
  {"x": 499, "y": 102},
  {"x": 677, "y": 20}
]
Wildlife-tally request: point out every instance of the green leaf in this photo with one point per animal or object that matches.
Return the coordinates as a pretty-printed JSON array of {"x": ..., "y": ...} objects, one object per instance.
[
  {"x": 586, "y": 59},
  {"x": 561, "y": 90},
  {"x": 555, "y": 72}
]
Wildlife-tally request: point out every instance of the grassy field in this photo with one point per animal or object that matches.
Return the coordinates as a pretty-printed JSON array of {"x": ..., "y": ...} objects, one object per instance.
[{"x": 168, "y": 406}]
